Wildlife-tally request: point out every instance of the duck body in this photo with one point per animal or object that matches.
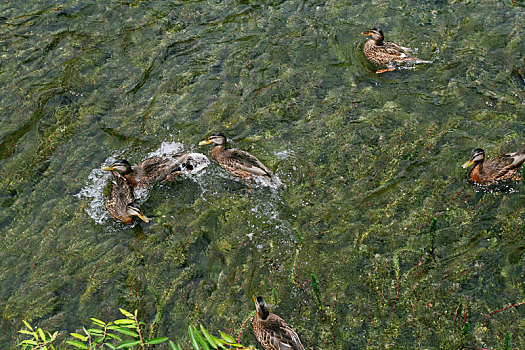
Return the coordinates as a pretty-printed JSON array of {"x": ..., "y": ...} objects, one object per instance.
[
  {"x": 386, "y": 53},
  {"x": 121, "y": 201},
  {"x": 240, "y": 163},
  {"x": 501, "y": 168},
  {"x": 157, "y": 169},
  {"x": 272, "y": 331}
]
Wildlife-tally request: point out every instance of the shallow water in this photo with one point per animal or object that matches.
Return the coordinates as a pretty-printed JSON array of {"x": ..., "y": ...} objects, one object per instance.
[{"x": 367, "y": 161}]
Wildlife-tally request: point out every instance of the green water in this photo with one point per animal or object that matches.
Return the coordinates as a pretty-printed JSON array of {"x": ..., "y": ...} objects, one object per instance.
[{"x": 367, "y": 161}]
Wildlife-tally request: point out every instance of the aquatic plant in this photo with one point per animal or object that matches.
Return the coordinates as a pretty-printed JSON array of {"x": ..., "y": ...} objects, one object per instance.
[
  {"x": 39, "y": 339},
  {"x": 316, "y": 289},
  {"x": 110, "y": 335}
]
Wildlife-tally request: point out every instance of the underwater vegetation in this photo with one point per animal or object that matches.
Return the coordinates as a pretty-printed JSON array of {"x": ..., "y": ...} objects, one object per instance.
[{"x": 376, "y": 239}]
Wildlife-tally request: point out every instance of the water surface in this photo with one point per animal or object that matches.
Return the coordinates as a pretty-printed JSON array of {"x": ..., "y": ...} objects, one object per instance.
[{"x": 368, "y": 161}]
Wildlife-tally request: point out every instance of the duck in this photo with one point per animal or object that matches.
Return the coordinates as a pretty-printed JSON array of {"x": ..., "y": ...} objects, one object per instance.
[
  {"x": 238, "y": 162},
  {"x": 121, "y": 202},
  {"x": 386, "y": 53},
  {"x": 157, "y": 169},
  {"x": 271, "y": 330},
  {"x": 500, "y": 168}
]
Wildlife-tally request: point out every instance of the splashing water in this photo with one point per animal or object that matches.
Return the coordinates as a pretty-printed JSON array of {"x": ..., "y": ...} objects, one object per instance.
[{"x": 94, "y": 191}]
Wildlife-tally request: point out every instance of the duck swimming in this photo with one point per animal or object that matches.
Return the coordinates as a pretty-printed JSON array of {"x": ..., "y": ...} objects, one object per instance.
[
  {"x": 500, "y": 168},
  {"x": 121, "y": 202},
  {"x": 156, "y": 169},
  {"x": 386, "y": 53},
  {"x": 240, "y": 163},
  {"x": 271, "y": 330}
]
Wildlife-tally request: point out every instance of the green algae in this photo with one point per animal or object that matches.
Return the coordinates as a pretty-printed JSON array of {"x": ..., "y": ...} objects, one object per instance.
[{"x": 371, "y": 166}]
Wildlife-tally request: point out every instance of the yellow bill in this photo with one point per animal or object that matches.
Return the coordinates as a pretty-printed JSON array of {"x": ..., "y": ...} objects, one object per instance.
[
  {"x": 367, "y": 33},
  {"x": 108, "y": 168},
  {"x": 143, "y": 217},
  {"x": 467, "y": 164},
  {"x": 204, "y": 142}
]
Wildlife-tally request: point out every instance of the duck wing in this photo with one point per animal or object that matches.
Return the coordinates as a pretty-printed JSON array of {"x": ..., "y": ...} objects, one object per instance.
[
  {"x": 395, "y": 50},
  {"x": 281, "y": 336},
  {"x": 501, "y": 165},
  {"x": 247, "y": 162},
  {"x": 121, "y": 194},
  {"x": 156, "y": 169}
]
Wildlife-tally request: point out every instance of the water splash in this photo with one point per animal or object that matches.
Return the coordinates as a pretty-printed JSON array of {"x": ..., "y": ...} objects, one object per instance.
[
  {"x": 93, "y": 191},
  {"x": 166, "y": 148}
]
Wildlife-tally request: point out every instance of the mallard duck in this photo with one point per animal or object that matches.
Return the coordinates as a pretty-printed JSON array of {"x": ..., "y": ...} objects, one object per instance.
[
  {"x": 121, "y": 202},
  {"x": 500, "y": 168},
  {"x": 156, "y": 169},
  {"x": 386, "y": 53},
  {"x": 240, "y": 163},
  {"x": 271, "y": 330}
]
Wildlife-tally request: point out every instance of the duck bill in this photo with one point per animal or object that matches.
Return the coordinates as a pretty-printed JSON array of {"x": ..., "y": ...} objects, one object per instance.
[
  {"x": 108, "y": 168},
  {"x": 254, "y": 298},
  {"x": 143, "y": 217},
  {"x": 467, "y": 164},
  {"x": 367, "y": 33},
  {"x": 204, "y": 142}
]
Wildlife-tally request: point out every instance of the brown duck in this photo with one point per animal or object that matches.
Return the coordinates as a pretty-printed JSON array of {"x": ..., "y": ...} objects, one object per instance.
[
  {"x": 240, "y": 163},
  {"x": 385, "y": 53},
  {"x": 271, "y": 330},
  {"x": 501, "y": 168},
  {"x": 121, "y": 202},
  {"x": 155, "y": 169}
]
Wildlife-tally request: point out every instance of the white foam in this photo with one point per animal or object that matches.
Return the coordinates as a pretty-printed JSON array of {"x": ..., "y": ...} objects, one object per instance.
[
  {"x": 200, "y": 162},
  {"x": 166, "y": 148},
  {"x": 93, "y": 191}
]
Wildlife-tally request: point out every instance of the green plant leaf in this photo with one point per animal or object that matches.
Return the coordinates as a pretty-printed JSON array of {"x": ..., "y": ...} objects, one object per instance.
[
  {"x": 114, "y": 336},
  {"x": 208, "y": 337},
  {"x": 227, "y": 337},
  {"x": 30, "y": 342},
  {"x": 98, "y": 340},
  {"x": 23, "y": 331},
  {"x": 126, "y": 313},
  {"x": 77, "y": 344},
  {"x": 156, "y": 340},
  {"x": 200, "y": 339},
  {"x": 127, "y": 344},
  {"x": 192, "y": 338},
  {"x": 41, "y": 333},
  {"x": 79, "y": 336},
  {"x": 98, "y": 322},
  {"x": 111, "y": 346},
  {"x": 174, "y": 346},
  {"x": 127, "y": 332},
  {"x": 218, "y": 341},
  {"x": 95, "y": 331},
  {"x": 125, "y": 321},
  {"x": 28, "y": 325}
]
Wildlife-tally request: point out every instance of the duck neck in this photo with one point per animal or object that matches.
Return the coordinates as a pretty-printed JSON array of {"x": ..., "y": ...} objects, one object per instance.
[
  {"x": 477, "y": 171},
  {"x": 217, "y": 150},
  {"x": 263, "y": 315}
]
